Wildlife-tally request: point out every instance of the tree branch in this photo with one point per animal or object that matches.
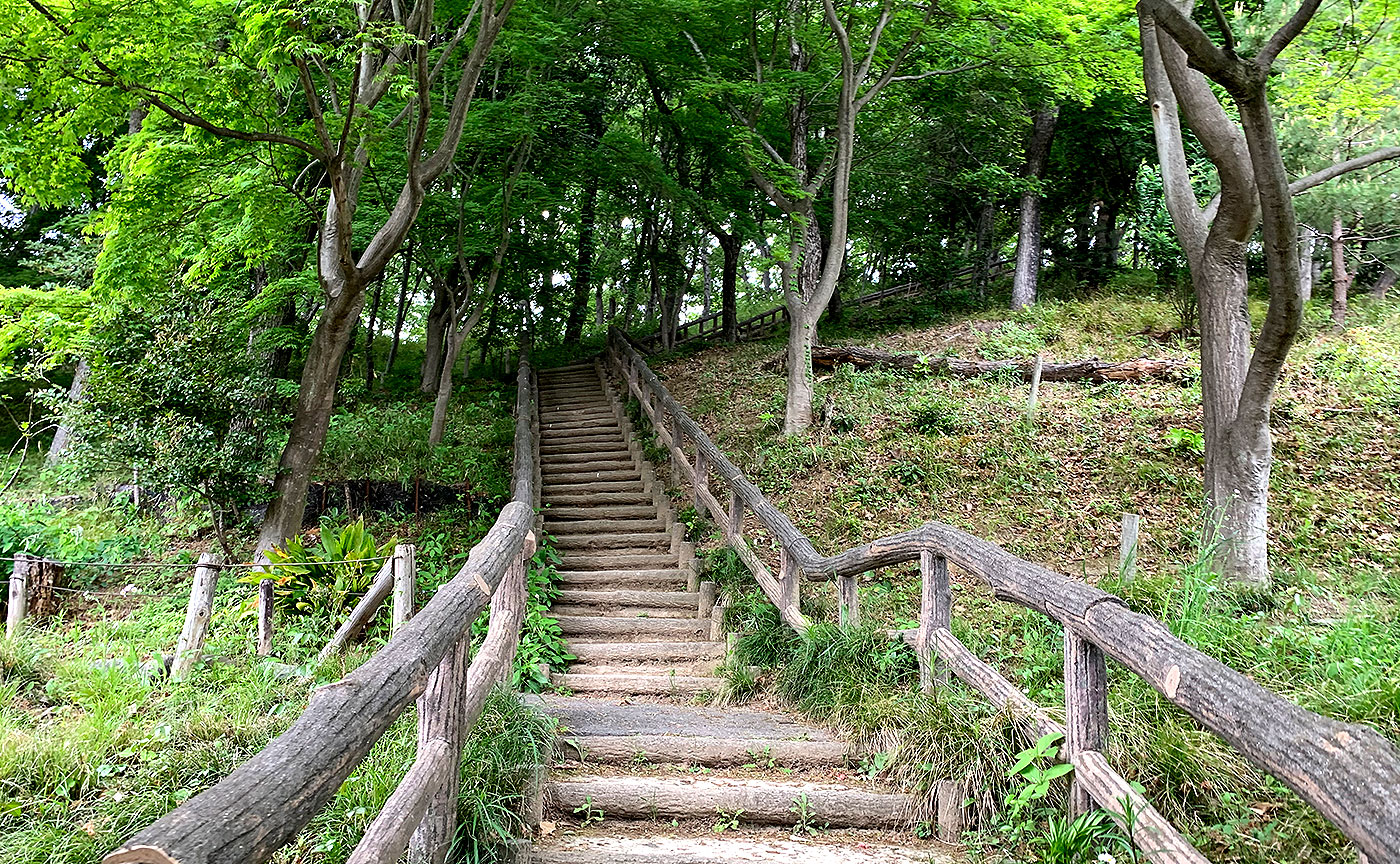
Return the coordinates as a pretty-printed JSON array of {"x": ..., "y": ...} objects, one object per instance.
[
  {"x": 1287, "y": 33},
  {"x": 1204, "y": 54},
  {"x": 1317, "y": 178}
]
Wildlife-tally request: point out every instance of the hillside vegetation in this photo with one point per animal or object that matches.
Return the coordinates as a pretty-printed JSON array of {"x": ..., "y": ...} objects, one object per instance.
[{"x": 893, "y": 450}]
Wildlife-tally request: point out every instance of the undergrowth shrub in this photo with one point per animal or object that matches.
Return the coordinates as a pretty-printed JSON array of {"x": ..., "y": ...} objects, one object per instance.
[{"x": 499, "y": 760}]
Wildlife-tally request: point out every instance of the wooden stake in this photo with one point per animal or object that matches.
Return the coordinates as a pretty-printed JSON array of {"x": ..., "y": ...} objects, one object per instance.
[
  {"x": 701, "y": 481},
  {"x": 1035, "y": 387},
  {"x": 935, "y": 613},
  {"x": 19, "y": 596},
  {"x": 1127, "y": 547},
  {"x": 191, "y": 644},
  {"x": 379, "y": 588},
  {"x": 707, "y": 599},
  {"x": 848, "y": 601},
  {"x": 265, "y": 629},
  {"x": 405, "y": 579},
  {"x": 736, "y": 515},
  {"x": 1086, "y": 709},
  {"x": 788, "y": 588}
]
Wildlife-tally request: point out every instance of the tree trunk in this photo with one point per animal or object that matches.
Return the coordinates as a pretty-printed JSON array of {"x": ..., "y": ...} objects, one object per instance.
[
  {"x": 1307, "y": 245},
  {"x": 1027, "y": 275},
  {"x": 1341, "y": 280},
  {"x": 728, "y": 291},
  {"x": 583, "y": 276},
  {"x": 399, "y": 315},
  {"x": 801, "y": 335},
  {"x": 1384, "y": 284},
  {"x": 986, "y": 224},
  {"x": 313, "y": 412},
  {"x": 370, "y": 333},
  {"x": 438, "y": 319},
  {"x": 705, "y": 283},
  {"x": 63, "y": 435}
]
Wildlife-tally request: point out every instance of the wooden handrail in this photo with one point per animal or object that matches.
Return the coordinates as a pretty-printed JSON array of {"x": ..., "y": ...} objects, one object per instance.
[
  {"x": 897, "y": 290},
  {"x": 1350, "y": 773},
  {"x": 254, "y": 811}
]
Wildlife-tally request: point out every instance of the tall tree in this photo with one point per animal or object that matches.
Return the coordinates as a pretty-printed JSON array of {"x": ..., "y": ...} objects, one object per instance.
[
  {"x": 1237, "y": 384},
  {"x": 312, "y": 81}
]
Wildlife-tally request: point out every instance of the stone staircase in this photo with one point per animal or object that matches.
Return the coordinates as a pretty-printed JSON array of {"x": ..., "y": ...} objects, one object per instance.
[
  {"x": 632, "y": 608},
  {"x": 644, "y": 773}
]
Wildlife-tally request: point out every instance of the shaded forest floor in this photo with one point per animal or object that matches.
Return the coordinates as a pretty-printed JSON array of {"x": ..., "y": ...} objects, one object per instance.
[{"x": 893, "y": 450}]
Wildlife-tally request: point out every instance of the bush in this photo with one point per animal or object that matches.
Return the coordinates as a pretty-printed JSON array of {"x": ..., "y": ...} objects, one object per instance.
[{"x": 323, "y": 578}]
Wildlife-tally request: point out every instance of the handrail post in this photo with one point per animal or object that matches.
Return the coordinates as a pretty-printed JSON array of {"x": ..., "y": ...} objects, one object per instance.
[
  {"x": 197, "y": 615},
  {"x": 848, "y": 601},
  {"x": 19, "y": 596},
  {"x": 736, "y": 514},
  {"x": 790, "y": 596},
  {"x": 935, "y": 613},
  {"x": 701, "y": 481},
  {"x": 405, "y": 577},
  {"x": 1086, "y": 708},
  {"x": 266, "y": 600},
  {"x": 673, "y": 424}
]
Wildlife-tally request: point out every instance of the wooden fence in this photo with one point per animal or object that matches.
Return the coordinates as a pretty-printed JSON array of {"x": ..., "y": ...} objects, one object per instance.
[
  {"x": 260, "y": 807},
  {"x": 1348, "y": 772},
  {"x": 767, "y": 321}
]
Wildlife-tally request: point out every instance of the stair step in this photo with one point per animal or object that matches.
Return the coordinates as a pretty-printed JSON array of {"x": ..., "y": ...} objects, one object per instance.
[
  {"x": 658, "y": 629},
  {"x": 581, "y": 477},
  {"x": 571, "y": 527},
  {"x": 637, "y": 685},
  {"x": 619, "y": 564},
  {"x": 637, "y": 580},
  {"x": 556, "y": 488},
  {"x": 573, "y": 610},
  {"x": 642, "y": 652},
  {"x": 582, "y": 447},
  {"x": 600, "y": 511},
  {"x": 575, "y": 465},
  {"x": 693, "y": 668},
  {"x": 706, "y": 750},
  {"x": 637, "y": 540},
  {"x": 624, "y": 598},
  {"x": 574, "y": 412},
  {"x": 763, "y": 802},
  {"x": 558, "y": 500},
  {"x": 726, "y": 849}
]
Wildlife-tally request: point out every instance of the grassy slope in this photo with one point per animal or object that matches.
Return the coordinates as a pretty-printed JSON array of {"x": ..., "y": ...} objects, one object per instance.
[
  {"x": 891, "y": 452},
  {"x": 92, "y": 750}
]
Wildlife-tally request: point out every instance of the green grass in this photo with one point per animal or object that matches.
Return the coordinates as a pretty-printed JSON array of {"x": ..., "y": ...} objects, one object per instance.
[{"x": 891, "y": 451}]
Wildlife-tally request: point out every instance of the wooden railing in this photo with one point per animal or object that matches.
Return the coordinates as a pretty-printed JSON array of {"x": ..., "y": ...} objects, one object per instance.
[
  {"x": 1348, "y": 772},
  {"x": 259, "y": 808},
  {"x": 765, "y": 322}
]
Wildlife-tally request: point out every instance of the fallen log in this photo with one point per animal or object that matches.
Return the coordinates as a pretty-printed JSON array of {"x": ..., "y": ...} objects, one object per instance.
[{"x": 1095, "y": 370}]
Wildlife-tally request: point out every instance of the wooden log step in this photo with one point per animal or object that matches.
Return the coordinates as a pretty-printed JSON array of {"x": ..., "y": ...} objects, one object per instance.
[
  {"x": 637, "y": 685},
  {"x": 637, "y": 511},
  {"x": 637, "y": 541},
  {"x": 591, "y": 393},
  {"x": 635, "y": 580},
  {"x": 575, "y": 611},
  {"x": 620, "y": 598},
  {"x": 614, "y": 653},
  {"x": 574, "y": 435},
  {"x": 572, "y": 411},
  {"x": 763, "y": 802},
  {"x": 606, "y": 427},
  {"x": 704, "y": 750},
  {"x": 556, "y": 500},
  {"x": 654, "y": 629},
  {"x": 560, "y": 491},
  {"x": 580, "y": 477},
  {"x": 729, "y": 848},
  {"x": 575, "y": 463},
  {"x": 583, "y": 447},
  {"x": 562, "y": 527},
  {"x": 623, "y": 565},
  {"x": 698, "y": 668}
]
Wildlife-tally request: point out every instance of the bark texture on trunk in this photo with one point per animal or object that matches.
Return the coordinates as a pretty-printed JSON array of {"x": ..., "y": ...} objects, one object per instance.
[
  {"x": 583, "y": 274},
  {"x": 1341, "y": 279},
  {"x": 399, "y": 314},
  {"x": 1027, "y": 276},
  {"x": 439, "y": 317},
  {"x": 1307, "y": 245},
  {"x": 63, "y": 435},
  {"x": 315, "y": 402},
  {"x": 1384, "y": 284},
  {"x": 986, "y": 255}
]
